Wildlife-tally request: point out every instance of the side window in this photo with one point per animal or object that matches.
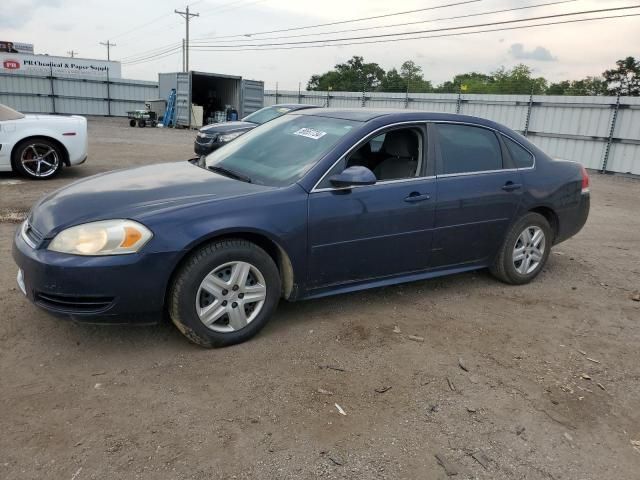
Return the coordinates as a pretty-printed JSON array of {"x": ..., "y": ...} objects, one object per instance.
[
  {"x": 521, "y": 157},
  {"x": 377, "y": 142},
  {"x": 393, "y": 155},
  {"x": 467, "y": 149}
]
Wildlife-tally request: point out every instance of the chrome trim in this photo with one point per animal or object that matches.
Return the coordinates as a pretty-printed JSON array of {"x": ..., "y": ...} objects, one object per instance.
[
  {"x": 386, "y": 182},
  {"x": 358, "y": 144},
  {"x": 25, "y": 237},
  {"x": 414, "y": 122},
  {"x": 481, "y": 172}
]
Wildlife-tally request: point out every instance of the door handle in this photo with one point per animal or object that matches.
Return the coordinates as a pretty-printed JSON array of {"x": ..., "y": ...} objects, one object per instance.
[
  {"x": 510, "y": 186},
  {"x": 415, "y": 197}
]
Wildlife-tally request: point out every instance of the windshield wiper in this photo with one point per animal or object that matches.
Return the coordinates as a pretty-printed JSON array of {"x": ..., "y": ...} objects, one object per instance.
[{"x": 230, "y": 173}]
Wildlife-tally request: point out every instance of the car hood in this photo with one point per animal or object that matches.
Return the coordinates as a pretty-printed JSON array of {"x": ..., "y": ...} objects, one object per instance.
[
  {"x": 227, "y": 127},
  {"x": 134, "y": 193},
  {"x": 54, "y": 118}
]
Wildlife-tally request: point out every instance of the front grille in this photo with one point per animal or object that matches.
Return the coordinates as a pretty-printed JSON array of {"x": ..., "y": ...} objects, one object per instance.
[
  {"x": 73, "y": 304},
  {"x": 205, "y": 139},
  {"x": 31, "y": 235}
]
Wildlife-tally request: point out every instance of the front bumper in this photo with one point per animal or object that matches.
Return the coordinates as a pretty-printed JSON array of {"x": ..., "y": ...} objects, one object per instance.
[
  {"x": 206, "y": 148},
  {"x": 115, "y": 289}
]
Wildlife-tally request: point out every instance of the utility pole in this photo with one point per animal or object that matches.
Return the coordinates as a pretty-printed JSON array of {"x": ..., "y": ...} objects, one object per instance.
[
  {"x": 108, "y": 44},
  {"x": 183, "y": 69},
  {"x": 72, "y": 53},
  {"x": 187, "y": 16}
]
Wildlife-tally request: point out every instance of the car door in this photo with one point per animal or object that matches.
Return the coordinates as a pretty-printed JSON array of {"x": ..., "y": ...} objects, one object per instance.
[
  {"x": 478, "y": 194},
  {"x": 371, "y": 231}
]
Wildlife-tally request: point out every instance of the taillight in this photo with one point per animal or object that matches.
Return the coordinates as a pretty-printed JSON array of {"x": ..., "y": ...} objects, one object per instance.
[{"x": 585, "y": 181}]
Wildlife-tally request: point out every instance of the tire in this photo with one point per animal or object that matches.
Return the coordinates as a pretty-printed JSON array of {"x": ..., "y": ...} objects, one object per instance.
[
  {"x": 37, "y": 158},
  {"x": 154, "y": 123},
  {"x": 142, "y": 123},
  {"x": 506, "y": 267},
  {"x": 132, "y": 123},
  {"x": 219, "y": 262}
]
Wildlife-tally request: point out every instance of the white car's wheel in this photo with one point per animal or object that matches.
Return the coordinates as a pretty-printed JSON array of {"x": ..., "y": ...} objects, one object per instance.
[{"x": 37, "y": 158}]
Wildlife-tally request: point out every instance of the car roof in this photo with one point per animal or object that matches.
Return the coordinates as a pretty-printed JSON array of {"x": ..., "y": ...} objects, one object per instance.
[
  {"x": 396, "y": 115},
  {"x": 292, "y": 106}
]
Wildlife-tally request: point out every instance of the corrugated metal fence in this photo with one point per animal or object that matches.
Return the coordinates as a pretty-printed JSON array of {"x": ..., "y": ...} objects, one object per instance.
[
  {"x": 73, "y": 94},
  {"x": 602, "y": 133}
]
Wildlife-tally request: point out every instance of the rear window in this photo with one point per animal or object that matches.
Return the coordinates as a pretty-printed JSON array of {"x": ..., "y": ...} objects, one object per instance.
[
  {"x": 467, "y": 149},
  {"x": 520, "y": 156},
  {"x": 265, "y": 115}
]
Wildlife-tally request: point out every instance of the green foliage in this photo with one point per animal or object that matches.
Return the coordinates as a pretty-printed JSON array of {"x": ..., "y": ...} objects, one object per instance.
[
  {"x": 410, "y": 79},
  {"x": 356, "y": 75},
  {"x": 626, "y": 77},
  {"x": 352, "y": 76},
  {"x": 587, "y": 86}
]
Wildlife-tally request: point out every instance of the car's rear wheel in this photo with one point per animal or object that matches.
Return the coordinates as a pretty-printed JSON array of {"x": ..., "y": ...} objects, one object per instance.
[
  {"x": 132, "y": 123},
  {"x": 224, "y": 293},
  {"x": 37, "y": 158},
  {"x": 525, "y": 250},
  {"x": 142, "y": 123}
]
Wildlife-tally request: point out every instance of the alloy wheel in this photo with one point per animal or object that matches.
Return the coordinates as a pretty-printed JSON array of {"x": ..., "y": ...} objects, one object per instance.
[
  {"x": 529, "y": 249},
  {"x": 40, "y": 160},
  {"x": 231, "y": 296}
]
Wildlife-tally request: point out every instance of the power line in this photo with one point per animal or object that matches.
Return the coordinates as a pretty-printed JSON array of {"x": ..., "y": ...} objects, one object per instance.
[
  {"x": 220, "y": 9},
  {"x": 457, "y": 34},
  {"x": 72, "y": 53},
  {"x": 156, "y": 57},
  {"x": 417, "y": 32},
  {"x": 132, "y": 58},
  {"x": 137, "y": 28},
  {"x": 375, "y": 27},
  {"x": 158, "y": 54},
  {"x": 108, "y": 44},
  {"x": 386, "y": 15}
]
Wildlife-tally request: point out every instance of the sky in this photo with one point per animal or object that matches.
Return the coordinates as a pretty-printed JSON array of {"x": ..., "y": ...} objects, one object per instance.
[{"x": 142, "y": 28}]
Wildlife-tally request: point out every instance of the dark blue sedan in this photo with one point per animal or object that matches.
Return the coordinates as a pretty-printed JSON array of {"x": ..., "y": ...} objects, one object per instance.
[{"x": 313, "y": 203}]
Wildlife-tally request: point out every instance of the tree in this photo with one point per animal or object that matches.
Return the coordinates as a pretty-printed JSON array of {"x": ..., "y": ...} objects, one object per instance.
[
  {"x": 410, "y": 79},
  {"x": 587, "y": 86},
  {"x": 352, "y": 76},
  {"x": 518, "y": 80},
  {"x": 625, "y": 78}
]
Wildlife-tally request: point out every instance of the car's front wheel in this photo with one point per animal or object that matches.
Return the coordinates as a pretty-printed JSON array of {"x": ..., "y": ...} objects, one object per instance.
[
  {"x": 224, "y": 293},
  {"x": 37, "y": 158},
  {"x": 525, "y": 250}
]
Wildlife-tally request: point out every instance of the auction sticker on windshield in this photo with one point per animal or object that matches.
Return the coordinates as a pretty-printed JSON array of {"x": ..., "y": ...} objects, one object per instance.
[{"x": 310, "y": 133}]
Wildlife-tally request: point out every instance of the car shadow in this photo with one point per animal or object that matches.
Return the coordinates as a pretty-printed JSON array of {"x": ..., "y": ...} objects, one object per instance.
[{"x": 163, "y": 335}]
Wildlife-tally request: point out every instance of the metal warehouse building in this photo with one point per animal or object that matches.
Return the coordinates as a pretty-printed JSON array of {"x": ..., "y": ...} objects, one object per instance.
[{"x": 211, "y": 91}]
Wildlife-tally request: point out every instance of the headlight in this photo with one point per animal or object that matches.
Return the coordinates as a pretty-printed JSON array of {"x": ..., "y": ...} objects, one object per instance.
[
  {"x": 227, "y": 137},
  {"x": 108, "y": 237}
]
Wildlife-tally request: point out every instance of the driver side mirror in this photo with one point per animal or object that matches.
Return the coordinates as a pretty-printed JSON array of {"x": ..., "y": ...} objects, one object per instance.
[{"x": 353, "y": 176}]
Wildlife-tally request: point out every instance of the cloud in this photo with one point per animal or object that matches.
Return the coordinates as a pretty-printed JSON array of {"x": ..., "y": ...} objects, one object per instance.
[
  {"x": 20, "y": 12},
  {"x": 541, "y": 54}
]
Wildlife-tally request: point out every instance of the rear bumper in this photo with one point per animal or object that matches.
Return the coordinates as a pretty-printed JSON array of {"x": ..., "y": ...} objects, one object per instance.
[
  {"x": 110, "y": 289},
  {"x": 571, "y": 221}
]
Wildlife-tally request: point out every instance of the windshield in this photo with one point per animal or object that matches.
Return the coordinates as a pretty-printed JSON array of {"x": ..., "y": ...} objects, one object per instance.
[
  {"x": 7, "y": 113},
  {"x": 266, "y": 114},
  {"x": 282, "y": 151}
]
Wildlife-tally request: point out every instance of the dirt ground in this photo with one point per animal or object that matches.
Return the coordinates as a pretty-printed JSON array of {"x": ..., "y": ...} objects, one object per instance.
[{"x": 552, "y": 389}]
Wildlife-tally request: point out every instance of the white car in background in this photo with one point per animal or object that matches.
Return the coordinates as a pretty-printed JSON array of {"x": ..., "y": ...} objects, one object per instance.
[{"x": 37, "y": 146}]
